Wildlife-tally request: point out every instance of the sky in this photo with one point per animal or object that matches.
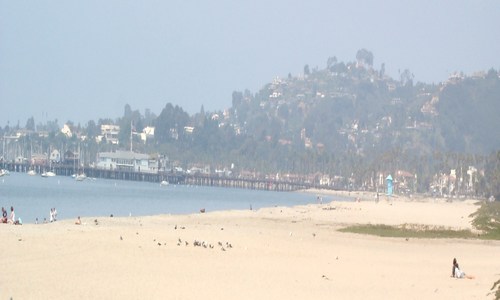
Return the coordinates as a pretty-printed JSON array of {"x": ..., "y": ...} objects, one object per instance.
[{"x": 85, "y": 60}]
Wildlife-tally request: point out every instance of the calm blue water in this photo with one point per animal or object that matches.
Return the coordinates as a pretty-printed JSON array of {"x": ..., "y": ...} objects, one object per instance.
[{"x": 33, "y": 196}]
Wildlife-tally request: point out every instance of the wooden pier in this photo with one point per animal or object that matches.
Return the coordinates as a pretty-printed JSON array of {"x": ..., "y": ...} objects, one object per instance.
[{"x": 172, "y": 178}]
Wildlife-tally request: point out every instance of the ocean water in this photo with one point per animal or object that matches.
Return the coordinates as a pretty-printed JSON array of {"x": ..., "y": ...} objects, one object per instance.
[{"x": 33, "y": 196}]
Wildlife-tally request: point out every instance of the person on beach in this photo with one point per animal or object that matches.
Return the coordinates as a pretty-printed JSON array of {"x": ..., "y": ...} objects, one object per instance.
[
  {"x": 4, "y": 215},
  {"x": 51, "y": 215},
  {"x": 457, "y": 273},
  {"x": 12, "y": 218},
  {"x": 78, "y": 221}
]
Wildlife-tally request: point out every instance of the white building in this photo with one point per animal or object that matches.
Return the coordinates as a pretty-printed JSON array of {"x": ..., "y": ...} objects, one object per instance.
[
  {"x": 127, "y": 161},
  {"x": 147, "y": 133},
  {"x": 66, "y": 130},
  {"x": 110, "y": 133},
  {"x": 55, "y": 156}
]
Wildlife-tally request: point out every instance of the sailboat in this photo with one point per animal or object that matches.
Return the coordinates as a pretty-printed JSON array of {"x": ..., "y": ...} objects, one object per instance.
[
  {"x": 81, "y": 174},
  {"x": 32, "y": 171},
  {"x": 3, "y": 171},
  {"x": 49, "y": 173}
]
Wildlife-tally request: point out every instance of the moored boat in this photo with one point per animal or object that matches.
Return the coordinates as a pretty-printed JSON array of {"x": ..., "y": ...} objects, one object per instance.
[
  {"x": 80, "y": 177},
  {"x": 48, "y": 174}
]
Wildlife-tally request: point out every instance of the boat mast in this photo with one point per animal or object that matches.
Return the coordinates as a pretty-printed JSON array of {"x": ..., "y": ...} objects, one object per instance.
[{"x": 3, "y": 152}]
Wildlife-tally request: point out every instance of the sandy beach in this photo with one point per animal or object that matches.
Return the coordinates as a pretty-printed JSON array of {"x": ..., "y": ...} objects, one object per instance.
[{"x": 272, "y": 253}]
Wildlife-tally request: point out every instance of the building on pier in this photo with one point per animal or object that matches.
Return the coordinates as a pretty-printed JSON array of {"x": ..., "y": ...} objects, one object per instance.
[{"x": 127, "y": 161}]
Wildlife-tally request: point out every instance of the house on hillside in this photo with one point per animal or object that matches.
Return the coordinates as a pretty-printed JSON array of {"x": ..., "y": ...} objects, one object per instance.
[
  {"x": 66, "y": 130},
  {"x": 147, "y": 133},
  {"x": 109, "y": 133}
]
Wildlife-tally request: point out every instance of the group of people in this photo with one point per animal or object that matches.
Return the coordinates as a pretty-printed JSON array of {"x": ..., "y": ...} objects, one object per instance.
[
  {"x": 11, "y": 219},
  {"x": 52, "y": 216}
]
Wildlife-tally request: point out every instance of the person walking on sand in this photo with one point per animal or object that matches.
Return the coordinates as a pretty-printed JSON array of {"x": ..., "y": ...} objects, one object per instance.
[{"x": 457, "y": 273}]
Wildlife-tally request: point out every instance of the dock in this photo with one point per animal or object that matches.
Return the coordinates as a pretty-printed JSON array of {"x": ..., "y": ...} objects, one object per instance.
[{"x": 170, "y": 177}]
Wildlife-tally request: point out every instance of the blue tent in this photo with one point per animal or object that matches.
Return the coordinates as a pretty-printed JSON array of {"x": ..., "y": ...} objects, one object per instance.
[{"x": 389, "y": 185}]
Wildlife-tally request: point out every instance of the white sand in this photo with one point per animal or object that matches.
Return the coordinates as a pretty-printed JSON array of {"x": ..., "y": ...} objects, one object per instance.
[{"x": 277, "y": 253}]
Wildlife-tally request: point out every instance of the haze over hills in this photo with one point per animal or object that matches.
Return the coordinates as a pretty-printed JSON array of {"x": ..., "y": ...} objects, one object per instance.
[
  {"x": 348, "y": 119},
  {"x": 352, "y": 106}
]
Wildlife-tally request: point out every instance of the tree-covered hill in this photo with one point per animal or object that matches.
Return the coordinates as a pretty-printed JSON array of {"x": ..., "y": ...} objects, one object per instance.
[
  {"x": 352, "y": 107},
  {"x": 347, "y": 121}
]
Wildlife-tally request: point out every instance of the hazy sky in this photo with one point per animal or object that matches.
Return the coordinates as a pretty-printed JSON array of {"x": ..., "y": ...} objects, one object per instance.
[{"x": 84, "y": 60}]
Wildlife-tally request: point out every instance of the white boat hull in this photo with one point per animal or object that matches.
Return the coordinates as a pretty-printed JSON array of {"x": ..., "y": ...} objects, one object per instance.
[
  {"x": 80, "y": 177},
  {"x": 48, "y": 174}
]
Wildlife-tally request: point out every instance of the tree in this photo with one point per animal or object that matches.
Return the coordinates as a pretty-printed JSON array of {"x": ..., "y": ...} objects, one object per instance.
[
  {"x": 52, "y": 126},
  {"x": 306, "y": 70},
  {"x": 339, "y": 68},
  {"x": 92, "y": 129},
  {"x": 237, "y": 98},
  {"x": 127, "y": 111},
  {"x": 170, "y": 121},
  {"x": 365, "y": 57},
  {"x": 407, "y": 77},
  {"x": 30, "y": 124},
  {"x": 331, "y": 62}
]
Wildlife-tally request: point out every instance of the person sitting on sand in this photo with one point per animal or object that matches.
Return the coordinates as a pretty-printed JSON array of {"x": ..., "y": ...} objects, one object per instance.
[
  {"x": 457, "y": 273},
  {"x": 12, "y": 218},
  {"x": 78, "y": 221},
  {"x": 4, "y": 215}
]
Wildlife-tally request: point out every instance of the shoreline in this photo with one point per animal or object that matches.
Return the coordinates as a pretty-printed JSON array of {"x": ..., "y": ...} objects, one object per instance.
[
  {"x": 275, "y": 253},
  {"x": 372, "y": 196}
]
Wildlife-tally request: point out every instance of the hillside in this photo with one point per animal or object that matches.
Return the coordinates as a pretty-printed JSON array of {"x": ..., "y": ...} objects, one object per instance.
[
  {"x": 352, "y": 107},
  {"x": 347, "y": 124}
]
